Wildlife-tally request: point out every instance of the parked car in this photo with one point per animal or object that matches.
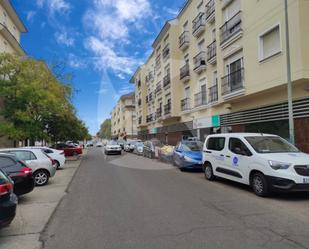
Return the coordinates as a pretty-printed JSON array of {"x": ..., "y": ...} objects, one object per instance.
[
  {"x": 43, "y": 166},
  {"x": 121, "y": 142},
  {"x": 188, "y": 155},
  {"x": 8, "y": 200},
  {"x": 138, "y": 148},
  {"x": 69, "y": 150},
  {"x": 265, "y": 162},
  {"x": 149, "y": 147},
  {"x": 56, "y": 155},
  {"x": 99, "y": 144},
  {"x": 19, "y": 172},
  {"x": 112, "y": 147}
]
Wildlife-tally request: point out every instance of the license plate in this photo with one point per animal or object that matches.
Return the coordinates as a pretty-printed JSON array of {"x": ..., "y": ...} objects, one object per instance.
[{"x": 306, "y": 180}]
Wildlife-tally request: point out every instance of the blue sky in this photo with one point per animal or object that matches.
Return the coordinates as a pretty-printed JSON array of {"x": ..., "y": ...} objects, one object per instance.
[{"x": 101, "y": 42}]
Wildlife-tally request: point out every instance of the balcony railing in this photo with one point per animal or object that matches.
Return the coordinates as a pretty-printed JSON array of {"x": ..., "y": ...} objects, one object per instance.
[
  {"x": 200, "y": 99},
  {"x": 150, "y": 97},
  {"x": 166, "y": 52},
  {"x": 158, "y": 88},
  {"x": 184, "y": 40},
  {"x": 233, "y": 82},
  {"x": 213, "y": 93},
  {"x": 150, "y": 118},
  {"x": 198, "y": 24},
  {"x": 212, "y": 51},
  {"x": 166, "y": 80},
  {"x": 185, "y": 71},
  {"x": 230, "y": 28},
  {"x": 159, "y": 112},
  {"x": 167, "y": 108},
  {"x": 185, "y": 104},
  {"x": 199, "y": 60},
  {"x": 210, "y": 9}
]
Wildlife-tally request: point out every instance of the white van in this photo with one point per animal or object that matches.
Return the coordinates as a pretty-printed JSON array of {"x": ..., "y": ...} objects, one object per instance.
[{"x": 265, "y": 162}]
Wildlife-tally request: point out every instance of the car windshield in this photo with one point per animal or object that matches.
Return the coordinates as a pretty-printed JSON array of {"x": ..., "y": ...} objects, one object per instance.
[
  {"x": 112, "y": 143},
  {"x": 192, "y": 146},
  {"x": 267, "y": 144}
]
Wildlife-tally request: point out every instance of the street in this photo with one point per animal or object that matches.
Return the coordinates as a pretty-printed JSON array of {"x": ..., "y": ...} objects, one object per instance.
[{"x": 133, "y": 202}]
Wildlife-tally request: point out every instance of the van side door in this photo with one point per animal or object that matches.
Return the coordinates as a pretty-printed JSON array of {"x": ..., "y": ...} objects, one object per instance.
[{"x": 214, "y": 152}]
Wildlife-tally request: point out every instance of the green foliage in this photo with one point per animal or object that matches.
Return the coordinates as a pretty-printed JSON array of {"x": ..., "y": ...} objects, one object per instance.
[
  {"x": 35, "y": 105},
  {"x": 105, "y": 129}
]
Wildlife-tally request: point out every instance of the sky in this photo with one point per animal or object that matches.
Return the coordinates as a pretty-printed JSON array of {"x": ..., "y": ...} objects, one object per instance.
[{"x": 100, "y": 42}]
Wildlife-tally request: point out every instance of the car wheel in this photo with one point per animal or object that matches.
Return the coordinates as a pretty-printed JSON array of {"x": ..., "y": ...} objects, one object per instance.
[
  {"x": 209, "y": 174},
  {"x": 41, "y": 177},
  {"x": 57, "y": 164},
  {"x": 259, "y": 185}
]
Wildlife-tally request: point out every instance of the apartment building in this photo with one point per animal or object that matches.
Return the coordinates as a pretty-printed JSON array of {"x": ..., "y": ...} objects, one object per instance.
[
  {"x": 11, "y": 28},
  {"x": 123, "y": 118},
  {"x": 227, "y": 68}
]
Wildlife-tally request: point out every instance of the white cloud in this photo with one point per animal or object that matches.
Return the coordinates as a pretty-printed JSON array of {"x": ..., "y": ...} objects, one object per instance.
[
  {"x": 30, "y": 15},
  {"x": 173, "y": 12},
  {"x": 111, "y": 21},
  {"x": 64, "y": 39},
  {"x": 60, "y": 6},
  {"x": 76, "y": 62}
]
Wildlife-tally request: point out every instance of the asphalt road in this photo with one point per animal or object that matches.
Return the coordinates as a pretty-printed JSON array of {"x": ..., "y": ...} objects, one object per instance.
[{"x": 132, "y": 202}]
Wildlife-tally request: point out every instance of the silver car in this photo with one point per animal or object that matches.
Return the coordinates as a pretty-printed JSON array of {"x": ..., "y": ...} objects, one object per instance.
[{"x": 42, "y": 165}]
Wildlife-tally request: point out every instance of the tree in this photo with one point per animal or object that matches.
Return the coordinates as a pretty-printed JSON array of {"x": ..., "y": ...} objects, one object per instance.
[
  {"x": 106, "y": 129},
  {"x": 35, "y": 104}
]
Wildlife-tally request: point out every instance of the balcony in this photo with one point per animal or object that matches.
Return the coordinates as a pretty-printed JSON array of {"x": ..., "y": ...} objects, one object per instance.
[
  {"x": 150, "y": 97},
  {"x": 158, "y": 89},
  {"x": 166, "y": 80},
  {"x": 159, "y": 113},
  {"x": 233, "y": 82},
  {"x": 139, "y": 120},
  {"x": 185, "y": 73},
  {"x": 158, "y": 62},
  {"x": 166, "y": 53},
  {"x": 167, "y": 108},
  {"x": 210, "y": 11},
  {"x": 200, "y": 99},
  {"x": 184, "y": 40},
  {"x": 200, "y": 62},
  {"x": 185, "y": 104},
  {"x": 212, "y": 53},
  {"x": 150, "y": 118},
  {"x": 199, "y": 24},
  {"x": 213, "y": 93},
  {"x": 231, "y": 30}
]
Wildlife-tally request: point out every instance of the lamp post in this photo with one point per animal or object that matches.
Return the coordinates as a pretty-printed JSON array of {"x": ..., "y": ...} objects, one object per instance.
[{"x": 288, "y": 62}]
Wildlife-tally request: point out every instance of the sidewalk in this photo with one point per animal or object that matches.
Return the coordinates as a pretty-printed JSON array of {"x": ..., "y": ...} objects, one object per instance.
[{"x": 35, "y": 209}]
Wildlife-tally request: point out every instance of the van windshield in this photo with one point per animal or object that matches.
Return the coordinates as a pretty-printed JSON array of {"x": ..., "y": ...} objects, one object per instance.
[{"x": 267, "y": 144}]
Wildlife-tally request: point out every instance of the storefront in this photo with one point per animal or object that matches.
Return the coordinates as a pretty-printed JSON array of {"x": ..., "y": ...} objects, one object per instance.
[{"x": 206, "y": 126}]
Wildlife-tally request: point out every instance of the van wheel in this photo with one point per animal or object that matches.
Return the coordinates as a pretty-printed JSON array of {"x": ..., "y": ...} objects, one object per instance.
[
  {"x": 259, "y": 185},
  {"x": 209, "y": 175}
]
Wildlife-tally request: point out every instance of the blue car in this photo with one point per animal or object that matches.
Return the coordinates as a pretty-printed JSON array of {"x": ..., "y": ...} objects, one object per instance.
[{"x": 188, "y": 155}]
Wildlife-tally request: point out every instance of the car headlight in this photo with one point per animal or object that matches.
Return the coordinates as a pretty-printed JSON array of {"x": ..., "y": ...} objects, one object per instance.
[{"x": 278, "y": 165}]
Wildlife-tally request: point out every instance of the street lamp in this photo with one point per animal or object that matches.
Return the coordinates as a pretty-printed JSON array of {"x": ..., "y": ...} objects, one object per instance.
[{"x": 288, "y": 62}]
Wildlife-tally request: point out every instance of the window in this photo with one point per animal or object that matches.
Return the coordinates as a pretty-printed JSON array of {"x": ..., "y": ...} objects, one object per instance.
[
  {"x": 24, "y": 155},
  {"x": 6, "y": 162},
  {"x": 48, "y": 151},
  {"x": 269, "y": 43},
  {"x": 238, "y": 147},
  {"x": 216, "y": 143}
]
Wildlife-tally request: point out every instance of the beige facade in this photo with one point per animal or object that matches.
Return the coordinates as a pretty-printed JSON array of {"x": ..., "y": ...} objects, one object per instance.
[
  {"x": 11, "y": 28},
  {"x": 226, "y": 56},
  {"x": 123, "y": 117}
]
